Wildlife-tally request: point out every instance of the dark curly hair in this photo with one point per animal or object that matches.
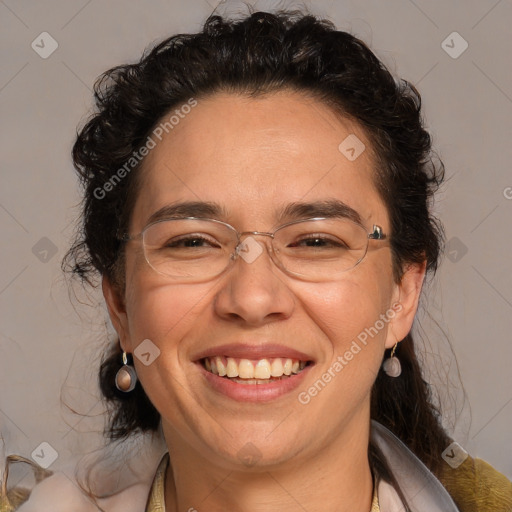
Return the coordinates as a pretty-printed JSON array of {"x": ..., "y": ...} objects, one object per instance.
[{"x": 258, "y": 54}]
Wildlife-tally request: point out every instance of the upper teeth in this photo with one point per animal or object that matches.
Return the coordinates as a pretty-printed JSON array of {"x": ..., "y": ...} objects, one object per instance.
[{"x": 247, "y": 369}]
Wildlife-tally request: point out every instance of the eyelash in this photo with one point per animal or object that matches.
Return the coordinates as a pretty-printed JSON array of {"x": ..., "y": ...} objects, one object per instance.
[{"x": 307, "y": 238}]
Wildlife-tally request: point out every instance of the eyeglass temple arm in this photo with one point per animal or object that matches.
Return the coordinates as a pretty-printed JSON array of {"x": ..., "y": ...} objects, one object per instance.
[{"x": 377, "y": 233}]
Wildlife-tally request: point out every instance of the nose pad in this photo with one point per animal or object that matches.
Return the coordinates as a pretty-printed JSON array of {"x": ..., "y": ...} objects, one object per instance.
[{"x": 249, "y": 249}]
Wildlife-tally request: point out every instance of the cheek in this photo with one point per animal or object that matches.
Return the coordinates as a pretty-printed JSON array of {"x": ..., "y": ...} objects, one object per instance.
[
  {"x": 157, "y": 309},
  {"x": 165, "y": 315},
  {"x": 349, "y": 317},
  {"x": 161, "y": 311},
  {"x": 345, "y": 309}
]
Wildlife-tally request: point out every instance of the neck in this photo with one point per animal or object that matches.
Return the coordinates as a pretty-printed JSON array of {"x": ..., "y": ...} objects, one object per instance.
[{"x": 334, "y": 479}]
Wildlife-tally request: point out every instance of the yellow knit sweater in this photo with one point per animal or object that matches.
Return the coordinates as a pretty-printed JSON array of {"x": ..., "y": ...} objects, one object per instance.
[{"x": 475, "y": 486}]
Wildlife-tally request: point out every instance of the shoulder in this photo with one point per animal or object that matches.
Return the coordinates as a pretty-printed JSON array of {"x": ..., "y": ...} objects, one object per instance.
[
  {"x": 121, "y": 478},
  {"x": 60, "y": 493},
  {"x": 472, "y": 486},
  {"x": 476, "y": 485}
]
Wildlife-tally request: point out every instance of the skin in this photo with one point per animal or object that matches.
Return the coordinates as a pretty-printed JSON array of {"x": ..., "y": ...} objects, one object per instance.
[{"x": 250, "y": 155}]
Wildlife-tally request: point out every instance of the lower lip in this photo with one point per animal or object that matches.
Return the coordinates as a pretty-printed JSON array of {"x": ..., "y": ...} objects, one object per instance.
[{"x": 254, "y": 392}]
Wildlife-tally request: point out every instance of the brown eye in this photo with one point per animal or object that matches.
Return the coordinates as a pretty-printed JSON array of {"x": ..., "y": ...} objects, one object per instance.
[
  {"x": 190, "y": 242},
  {"x": 318, "y": 241}
]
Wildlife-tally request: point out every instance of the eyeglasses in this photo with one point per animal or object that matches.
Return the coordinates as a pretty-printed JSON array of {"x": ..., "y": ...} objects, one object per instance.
[{"x": 193, "y": 249}]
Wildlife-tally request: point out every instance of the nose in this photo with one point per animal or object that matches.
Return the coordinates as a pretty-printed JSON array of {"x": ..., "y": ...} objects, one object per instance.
[{"x": 254, "y": 291}]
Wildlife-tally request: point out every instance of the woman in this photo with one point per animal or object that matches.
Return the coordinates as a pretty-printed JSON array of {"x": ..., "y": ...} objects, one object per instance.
[{"x": 257, "y": 203}]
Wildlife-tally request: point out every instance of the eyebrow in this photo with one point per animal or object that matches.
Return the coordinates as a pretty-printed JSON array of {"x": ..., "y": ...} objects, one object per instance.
[
  {"x": 189, "y": 209},
  {"x": 328, "y": 208}
]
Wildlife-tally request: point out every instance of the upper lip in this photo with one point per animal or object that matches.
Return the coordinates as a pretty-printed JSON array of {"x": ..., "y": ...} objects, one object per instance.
[{"x": 260, "y": 351}]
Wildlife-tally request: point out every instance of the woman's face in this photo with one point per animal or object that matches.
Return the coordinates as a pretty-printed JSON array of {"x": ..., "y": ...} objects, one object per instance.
[{"x": 254, "y": 157}]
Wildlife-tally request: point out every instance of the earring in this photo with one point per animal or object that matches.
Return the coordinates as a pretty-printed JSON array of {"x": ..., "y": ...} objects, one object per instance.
[
  {"x": 126, "y": 377},
  {"x": 392, "y": 365}
]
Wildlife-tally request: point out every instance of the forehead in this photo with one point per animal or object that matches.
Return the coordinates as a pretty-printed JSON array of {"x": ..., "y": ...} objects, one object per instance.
[{"x": 255, "y": 156}]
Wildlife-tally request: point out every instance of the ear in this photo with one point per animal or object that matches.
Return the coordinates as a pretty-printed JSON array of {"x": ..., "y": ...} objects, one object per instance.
[
  {"x": 116, "y": 310},
  {"x": 405, "y": 305}
]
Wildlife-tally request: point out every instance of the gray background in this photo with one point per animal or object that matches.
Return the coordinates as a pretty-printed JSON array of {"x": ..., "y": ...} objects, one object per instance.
[{"x": 50, "y": 345}]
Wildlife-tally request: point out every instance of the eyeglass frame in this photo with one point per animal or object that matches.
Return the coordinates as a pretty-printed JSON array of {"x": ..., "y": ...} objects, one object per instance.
[{"x": 376, "y": 234}]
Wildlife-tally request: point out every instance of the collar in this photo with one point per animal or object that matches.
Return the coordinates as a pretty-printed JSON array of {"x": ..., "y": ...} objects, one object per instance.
[
  {"x": 421, "y": 489},
  {"x": 156, "y": 500}
]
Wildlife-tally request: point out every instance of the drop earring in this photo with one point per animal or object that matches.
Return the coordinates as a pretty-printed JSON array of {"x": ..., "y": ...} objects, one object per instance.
[
  {"x": 126, "y": 377},
  {"x": 392, "y": 365}
]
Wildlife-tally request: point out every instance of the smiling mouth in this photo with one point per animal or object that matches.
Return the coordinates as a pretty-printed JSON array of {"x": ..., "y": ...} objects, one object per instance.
[{"x": 250, "y": 371}]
